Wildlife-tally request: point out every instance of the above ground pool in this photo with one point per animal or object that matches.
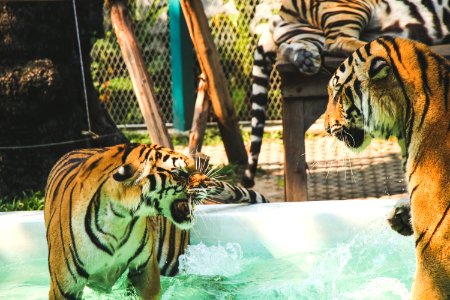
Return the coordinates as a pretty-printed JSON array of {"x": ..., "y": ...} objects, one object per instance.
[{"x": 308, "y": 250}]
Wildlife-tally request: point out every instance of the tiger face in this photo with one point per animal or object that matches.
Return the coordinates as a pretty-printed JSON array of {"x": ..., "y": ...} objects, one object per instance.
[
  {"x": 363, "y": 93},
  {"x": 155, "y": 181}
]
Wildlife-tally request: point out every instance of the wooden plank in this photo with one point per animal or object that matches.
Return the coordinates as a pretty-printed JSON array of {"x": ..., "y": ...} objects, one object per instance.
[
  {"x": 295, "y": 180},
  {"x": 201, "y": 113},
  {"x": 218, "y": 91},
  {"x": 140, "y": 78}
]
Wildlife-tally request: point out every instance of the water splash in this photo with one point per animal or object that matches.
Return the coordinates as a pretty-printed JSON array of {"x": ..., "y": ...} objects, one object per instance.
[{"x": 215, "y": 260}]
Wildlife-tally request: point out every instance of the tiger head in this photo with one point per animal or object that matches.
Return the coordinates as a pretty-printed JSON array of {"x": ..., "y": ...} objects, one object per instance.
[
  {"x": 364, "y": 98},
  {"x": 153, "y": 180}
]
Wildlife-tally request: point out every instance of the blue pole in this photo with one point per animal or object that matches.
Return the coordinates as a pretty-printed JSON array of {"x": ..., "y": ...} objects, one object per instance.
[{"x": 182, "y": 55}]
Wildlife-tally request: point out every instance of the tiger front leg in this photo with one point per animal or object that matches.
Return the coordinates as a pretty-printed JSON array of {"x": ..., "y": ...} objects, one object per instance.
[
  {"x": 301, "y": 44},
  {"x": 145, "y": 278},
  {"x": 307, "y": 57}
]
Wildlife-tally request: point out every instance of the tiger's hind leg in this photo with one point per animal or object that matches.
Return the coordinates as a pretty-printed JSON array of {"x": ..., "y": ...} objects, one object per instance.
[{"x": 301, "y": 44}]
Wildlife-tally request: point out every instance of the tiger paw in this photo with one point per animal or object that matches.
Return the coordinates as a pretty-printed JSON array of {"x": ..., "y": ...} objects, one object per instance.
[
  {"x": 400, "y": 217},
  {"x": 306, "y": 57}
]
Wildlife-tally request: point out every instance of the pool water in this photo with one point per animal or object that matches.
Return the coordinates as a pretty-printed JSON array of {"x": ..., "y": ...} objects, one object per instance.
[{"x": 366, "y": 266}]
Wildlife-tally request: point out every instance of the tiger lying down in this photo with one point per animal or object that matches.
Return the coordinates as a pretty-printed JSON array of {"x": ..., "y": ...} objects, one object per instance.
[
  {"x": 98, "y": 206},
  {"x": 397, "y": 87}
]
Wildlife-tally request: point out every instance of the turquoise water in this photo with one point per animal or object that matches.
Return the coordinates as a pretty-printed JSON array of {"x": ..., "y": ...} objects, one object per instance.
[{"x": 365, "y": 267}]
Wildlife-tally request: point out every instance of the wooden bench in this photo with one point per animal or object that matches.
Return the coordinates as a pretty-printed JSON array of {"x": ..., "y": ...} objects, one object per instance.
[{"x": 304, "y": 101}]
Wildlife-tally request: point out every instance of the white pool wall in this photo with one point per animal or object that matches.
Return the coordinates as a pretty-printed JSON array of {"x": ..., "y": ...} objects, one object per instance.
[{"x": 275, "y": 229}]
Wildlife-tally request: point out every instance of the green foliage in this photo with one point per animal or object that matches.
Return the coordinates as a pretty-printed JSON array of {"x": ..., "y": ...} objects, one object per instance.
[{"x": 28, "y": 201}]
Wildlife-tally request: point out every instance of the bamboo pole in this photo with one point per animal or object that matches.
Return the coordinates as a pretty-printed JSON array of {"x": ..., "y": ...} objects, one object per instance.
[
  {"x": 140, "y": 78},
  {"x": 201, "y": 113},
  {"x": 218, "y": 91}
]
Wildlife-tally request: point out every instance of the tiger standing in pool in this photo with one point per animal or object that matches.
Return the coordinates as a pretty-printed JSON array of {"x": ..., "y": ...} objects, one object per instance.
[
  {"x": 96, "y": 212},
  {"x": 397, "y": 87}
]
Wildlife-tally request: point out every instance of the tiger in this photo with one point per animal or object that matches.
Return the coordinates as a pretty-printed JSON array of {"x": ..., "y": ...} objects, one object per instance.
[
  {"x": 97, "y": 210},
  {"x": 399, "y": 87},
  {"x": 172, "y": 242},
  {"x": 304, "y": 30}
]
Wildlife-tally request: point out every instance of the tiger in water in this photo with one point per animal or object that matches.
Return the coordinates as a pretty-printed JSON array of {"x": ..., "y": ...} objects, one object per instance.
[
  {"x": 304, "y": 30},
  {"x": 399, "y": 87},
  {"x": 103, "y": 211}
]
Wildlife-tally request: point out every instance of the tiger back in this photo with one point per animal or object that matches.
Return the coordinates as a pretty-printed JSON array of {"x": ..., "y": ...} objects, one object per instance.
[
  {"x": 398, "y": 87},
  {"x": 97, "y": 208}
]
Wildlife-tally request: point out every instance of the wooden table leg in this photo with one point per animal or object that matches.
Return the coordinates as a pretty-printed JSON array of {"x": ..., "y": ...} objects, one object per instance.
[{"x": 295, "y": 182}]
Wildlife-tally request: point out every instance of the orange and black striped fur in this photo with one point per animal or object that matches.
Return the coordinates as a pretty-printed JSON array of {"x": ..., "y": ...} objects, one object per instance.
[
  {"x": 97, "y": 208},
  {"x": 397, "y": 87}
]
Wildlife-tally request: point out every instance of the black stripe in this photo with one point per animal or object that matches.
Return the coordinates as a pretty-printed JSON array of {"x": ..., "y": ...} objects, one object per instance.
[
  {"x": 289, "y": 12},
  {"x": 79, "y": 265},
  {"x": 437, "y": 227},
  {"x": 360, "y": 56},
  {"x": 417, "y": 160},
  {"x": 171, "y": 247},
  {"x": 367, "y": 49},
  {"x": 414, "y": 12},
  {"x": 142, "y": 150},
  {"x": 162, "y": 232},
  {"x": 260, "y": 99},
  {"x": 65, "y": 294},
  {"x": 423, "y": 63},
  {"x": 96, "y": 201},
  {"x": 421, "y": 237},
  {"x": 140, "y": 268},
  {"x": 411, "y": 194},
  {"x": 127, "y": 151},
  {"x": 63, "y": 244},
  {"x": 349, "y": 94},
  {"x": 357, "y": 88},
  {"x": 409, "y": 114},
  {"x": 261, "y": 81},
  {"x": 88, "y": 227},
  {"x": 128, "y": 230},
  {"x": 115, "y": 212},
  {"x": 142, "y": 244},
  {"x": 436, "y": 22},
  {"x": 152, "y": 180}
]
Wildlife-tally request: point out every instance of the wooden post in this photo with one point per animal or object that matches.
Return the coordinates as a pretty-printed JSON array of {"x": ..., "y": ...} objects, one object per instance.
[
  {"x": 201, "y": 112},
  {"x": 218, "y": 91},
  {"x": 140, "y": 78}
]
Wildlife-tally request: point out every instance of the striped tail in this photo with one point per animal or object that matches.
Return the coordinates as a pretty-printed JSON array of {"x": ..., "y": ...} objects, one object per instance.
[
  {"x": 264, "y": 59},
  {"x": 223, "y": 192}
]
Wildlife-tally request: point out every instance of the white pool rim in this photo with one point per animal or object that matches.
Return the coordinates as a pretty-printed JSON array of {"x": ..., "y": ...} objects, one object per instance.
[{"x": 275, "y": 229}]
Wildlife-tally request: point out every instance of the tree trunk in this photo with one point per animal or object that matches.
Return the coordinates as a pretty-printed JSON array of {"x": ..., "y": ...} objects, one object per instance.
[{"x": 43, "y": 113}]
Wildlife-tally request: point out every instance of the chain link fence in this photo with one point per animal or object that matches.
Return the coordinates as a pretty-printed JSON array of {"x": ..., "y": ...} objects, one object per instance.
[{"x": 233, "y": 24}]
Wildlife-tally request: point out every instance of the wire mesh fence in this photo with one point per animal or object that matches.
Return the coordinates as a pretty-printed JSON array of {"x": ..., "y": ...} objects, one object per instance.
[{"x": 233, "y": 27}]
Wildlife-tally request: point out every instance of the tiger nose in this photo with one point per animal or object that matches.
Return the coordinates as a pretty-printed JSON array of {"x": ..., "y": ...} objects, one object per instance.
[{"x": 198, "y": 179}]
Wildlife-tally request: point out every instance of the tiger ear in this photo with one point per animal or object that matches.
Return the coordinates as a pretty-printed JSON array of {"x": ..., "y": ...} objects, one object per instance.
[
  {"x": 123, "y": 173},
  {"x": 379, "y": 68}
]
